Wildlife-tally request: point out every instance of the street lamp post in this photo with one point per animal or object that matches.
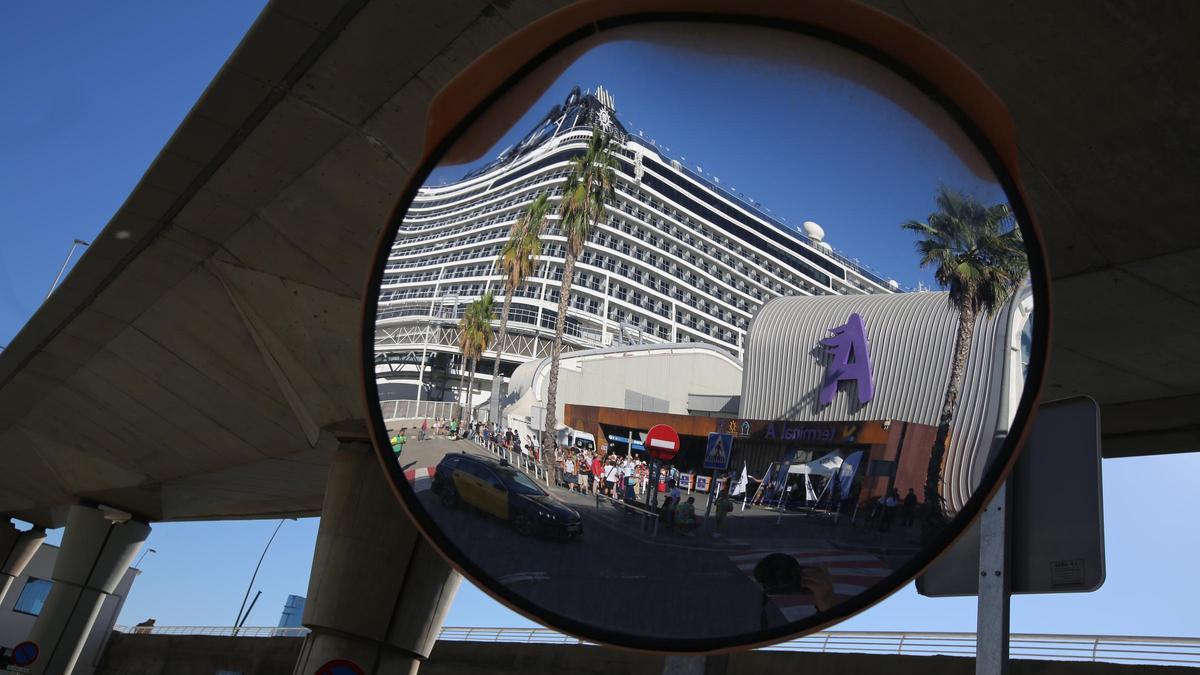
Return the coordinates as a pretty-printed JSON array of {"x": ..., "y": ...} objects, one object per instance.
[
  {"x": 61, "y": 270},
  {"x": 143, "y": 555},
  {"x": 255, "y": 575}
]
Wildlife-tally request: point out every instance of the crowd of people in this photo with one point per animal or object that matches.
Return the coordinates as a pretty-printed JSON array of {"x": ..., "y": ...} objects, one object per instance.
[
  {"x": 623, "y": 478},
  {"x": 441, "y": 427},
  {"x": 886, "y": 508},
  {"x": 626, "y": 479}
]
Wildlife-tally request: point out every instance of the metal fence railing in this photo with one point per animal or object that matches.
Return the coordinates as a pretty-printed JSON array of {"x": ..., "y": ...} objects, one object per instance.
[
  {"x": 1134, "y": 650},
  {"x": 1143, "y": 650},
  {"x": 219, "y": 631},
  {"x": 419, "y": 410},
  {"x": 515, "y": 457}
]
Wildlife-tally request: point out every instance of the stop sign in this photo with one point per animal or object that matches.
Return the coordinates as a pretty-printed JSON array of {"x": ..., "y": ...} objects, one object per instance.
[{"x": 662, "y": 442}]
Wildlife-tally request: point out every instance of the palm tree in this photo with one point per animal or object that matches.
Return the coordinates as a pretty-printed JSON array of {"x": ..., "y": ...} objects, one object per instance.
[
  {"x": 517, "y": 259},
  {"x": 979, "y": 257},
  {"x": 483, "y": 312},
  {"x": 464, "y": 349},
  {"x": 590, "y": 184},
  {"x": 474, "y": 337}
]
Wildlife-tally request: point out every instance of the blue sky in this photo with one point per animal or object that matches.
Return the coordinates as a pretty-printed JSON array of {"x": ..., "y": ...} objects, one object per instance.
[{"x": 93, "y": 92}]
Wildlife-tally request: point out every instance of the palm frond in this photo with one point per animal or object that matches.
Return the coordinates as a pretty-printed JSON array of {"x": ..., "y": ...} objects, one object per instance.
[{"x": 976, "y": 250}]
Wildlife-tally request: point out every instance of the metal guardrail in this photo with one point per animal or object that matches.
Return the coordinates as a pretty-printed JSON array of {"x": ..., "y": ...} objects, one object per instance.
[
  {"x": 219, "y": 631},
  {"x": 649, "y": 519},
  {"x": 518, "y": 459},
  {"x": 414, "y": 410},
  {"x": 1126, "y": 649},
  {"x": 1144, "y": 650}
]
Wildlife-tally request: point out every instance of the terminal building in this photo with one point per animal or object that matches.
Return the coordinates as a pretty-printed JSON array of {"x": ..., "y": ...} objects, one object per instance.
[
  {"x": 678, "y": 259},
  {"x": 789, "y": 413}
]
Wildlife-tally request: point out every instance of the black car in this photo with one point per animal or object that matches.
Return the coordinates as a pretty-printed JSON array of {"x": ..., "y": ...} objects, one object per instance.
[{"x": 496, "y": 488}]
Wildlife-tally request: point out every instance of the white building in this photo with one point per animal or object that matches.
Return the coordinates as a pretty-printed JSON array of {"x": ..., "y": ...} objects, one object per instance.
[
  {"x": 651, "y": 378},
  {"x": 678, "y": 259}
]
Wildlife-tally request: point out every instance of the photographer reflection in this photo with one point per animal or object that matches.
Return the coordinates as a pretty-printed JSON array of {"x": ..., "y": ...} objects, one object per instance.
[
  {"x": 819, "y": 583},
  {"x": 780, "y": 574}
]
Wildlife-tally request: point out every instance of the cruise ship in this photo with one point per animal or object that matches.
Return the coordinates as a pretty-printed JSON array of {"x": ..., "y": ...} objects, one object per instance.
[{"x": 676, "y": 259}]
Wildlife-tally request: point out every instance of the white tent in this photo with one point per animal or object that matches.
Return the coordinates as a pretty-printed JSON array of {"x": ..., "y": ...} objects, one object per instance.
[{"x": 825, "y": 466}]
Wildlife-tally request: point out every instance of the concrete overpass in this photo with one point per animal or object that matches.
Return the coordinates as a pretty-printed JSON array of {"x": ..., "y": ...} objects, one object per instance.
[{"x": 200, "y": 361}]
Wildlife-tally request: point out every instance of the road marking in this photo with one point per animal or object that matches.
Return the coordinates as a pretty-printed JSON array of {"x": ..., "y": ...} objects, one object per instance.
[
  {"x": 851, "y": 573},
  {"x": 420, "y": 478}
]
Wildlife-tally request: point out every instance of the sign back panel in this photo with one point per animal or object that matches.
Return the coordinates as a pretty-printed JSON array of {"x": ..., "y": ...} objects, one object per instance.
[{"x": 1057, "y": 527}]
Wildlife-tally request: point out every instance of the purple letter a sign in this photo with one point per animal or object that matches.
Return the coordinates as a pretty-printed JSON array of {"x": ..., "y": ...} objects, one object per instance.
[{"x": 851, "y": 361}]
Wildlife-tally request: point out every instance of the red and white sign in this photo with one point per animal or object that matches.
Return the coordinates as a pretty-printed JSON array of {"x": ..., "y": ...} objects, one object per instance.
[{"x": 662, "y": 442}]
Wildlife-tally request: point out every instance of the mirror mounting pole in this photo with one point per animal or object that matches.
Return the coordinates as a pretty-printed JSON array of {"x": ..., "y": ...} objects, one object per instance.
[{"x": 992, "y": 624}]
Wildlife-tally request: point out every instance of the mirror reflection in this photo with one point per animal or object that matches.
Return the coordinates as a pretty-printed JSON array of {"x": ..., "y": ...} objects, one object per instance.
[{"x": 628, "y": 376}]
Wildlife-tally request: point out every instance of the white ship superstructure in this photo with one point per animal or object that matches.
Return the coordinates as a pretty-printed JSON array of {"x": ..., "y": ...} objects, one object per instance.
[{"x": 676, "y": 259}]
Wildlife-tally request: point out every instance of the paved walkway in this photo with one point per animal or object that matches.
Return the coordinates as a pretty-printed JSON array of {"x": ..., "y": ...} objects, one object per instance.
[{"x": 855, "y": 558}]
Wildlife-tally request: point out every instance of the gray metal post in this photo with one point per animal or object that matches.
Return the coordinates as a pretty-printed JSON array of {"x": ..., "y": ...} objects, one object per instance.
[
  {"x": 713, "y": 488},
  {"x": 992, "y": 627},
  {"x": 696, "y": 665},
  {"x": 683, "y": 665}
]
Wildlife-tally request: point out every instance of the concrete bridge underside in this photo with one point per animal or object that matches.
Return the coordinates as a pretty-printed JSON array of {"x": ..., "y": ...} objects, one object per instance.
[{"x": 201, "y": 360}]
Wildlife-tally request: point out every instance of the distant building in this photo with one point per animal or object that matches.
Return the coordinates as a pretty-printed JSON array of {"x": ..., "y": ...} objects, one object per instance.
[
  {"x": 695, "y": 378},
  {"x": 293, "y": 612},
  {"x": 23, "y": 603}
]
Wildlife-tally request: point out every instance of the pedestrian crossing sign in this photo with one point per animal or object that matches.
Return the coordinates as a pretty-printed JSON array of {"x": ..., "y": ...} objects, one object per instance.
[{"x": 718, "y": 451}]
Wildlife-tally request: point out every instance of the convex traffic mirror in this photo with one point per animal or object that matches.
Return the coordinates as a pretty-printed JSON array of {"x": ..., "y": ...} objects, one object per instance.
[{"x": 698, "y": 335}]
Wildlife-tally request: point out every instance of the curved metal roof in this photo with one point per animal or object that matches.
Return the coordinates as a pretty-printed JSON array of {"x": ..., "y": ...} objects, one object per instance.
[{"x": 910, "y": 339}]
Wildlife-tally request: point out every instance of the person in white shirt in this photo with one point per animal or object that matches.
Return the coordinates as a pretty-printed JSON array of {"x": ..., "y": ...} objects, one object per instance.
[
  {"x": 569, "y": 473},
  {"x": 610, "y": 478}
]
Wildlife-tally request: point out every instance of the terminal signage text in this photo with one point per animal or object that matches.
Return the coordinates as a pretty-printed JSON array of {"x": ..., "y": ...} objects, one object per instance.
[{"x": 811, "y": 433}]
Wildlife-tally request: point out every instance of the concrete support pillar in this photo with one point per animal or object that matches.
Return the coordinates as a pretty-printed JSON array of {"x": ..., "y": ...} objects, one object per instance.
[
  {"x": 16, "y": 550},
  {"x": 98, "y": 546},
  {"x": 378, "y": 592}
]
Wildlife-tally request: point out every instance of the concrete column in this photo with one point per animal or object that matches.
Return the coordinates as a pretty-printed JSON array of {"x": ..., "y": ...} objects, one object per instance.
[
  {"x": 98, "y": 545},
  {"x": 16, "y": 549},
  {"x": 378, "y": 592}
]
